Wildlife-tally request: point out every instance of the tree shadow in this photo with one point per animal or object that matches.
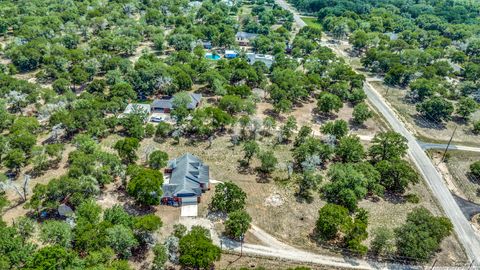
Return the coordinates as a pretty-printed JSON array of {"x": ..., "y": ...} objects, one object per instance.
[
  {"x": 262, "y": 177},
  {"x": 423, "y": 122},
  {"x": 355, "y": 125},
  {"x": 460, "y": 120},
  {"x": 244, "y": 168},
  {"x": 394, "y": 198},
  {"x": 472, "y": 178},
  {"x": 320, "y": 117},
  {"x": 272, "y": 113}
]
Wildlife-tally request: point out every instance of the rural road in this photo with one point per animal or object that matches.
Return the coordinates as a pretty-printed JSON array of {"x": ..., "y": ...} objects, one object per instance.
[
  {"x": 464, "y": 230},
  {"x": 466, "y": 234},
  {"x": 275, "y": 248},
  {"x": 425, "y": 145}
]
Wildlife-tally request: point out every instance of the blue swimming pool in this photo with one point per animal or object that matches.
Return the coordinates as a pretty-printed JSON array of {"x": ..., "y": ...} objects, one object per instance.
[{"x": 212, "y": 56}]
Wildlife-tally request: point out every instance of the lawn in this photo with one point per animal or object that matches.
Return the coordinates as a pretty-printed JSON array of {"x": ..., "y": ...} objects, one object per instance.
[{"x": 312, "y": 22}]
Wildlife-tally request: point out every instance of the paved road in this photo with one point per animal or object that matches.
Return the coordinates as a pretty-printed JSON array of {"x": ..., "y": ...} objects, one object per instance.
[
  {"x": 469, "y": 208},
  {"x": 296, "y": 17},
  {"x": 425, "y": 145},
  {"x": 463, "y": 228},
  {"x": 466, "y": 234}
]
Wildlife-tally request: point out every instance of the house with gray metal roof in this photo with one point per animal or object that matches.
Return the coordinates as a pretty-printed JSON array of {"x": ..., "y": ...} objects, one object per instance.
[
  {"x": 186, "y": 179},
  {"x": 166, "y": 105},
  {"x": 137, "y": 108},
  {"x": 264, "y": 58},
  {"x": 244, "y": 38}
]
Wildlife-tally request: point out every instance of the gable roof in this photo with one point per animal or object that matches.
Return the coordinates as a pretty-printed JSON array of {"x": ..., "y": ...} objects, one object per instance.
[
  {"x": 168, "y": 102},
  {"x": 137, "y": 107},
  {"x": 245, "y": 35},
  {"x": 188, "y": 172}
]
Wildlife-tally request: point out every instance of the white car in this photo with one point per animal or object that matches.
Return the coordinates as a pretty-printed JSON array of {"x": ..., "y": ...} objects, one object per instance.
[{"x": 156, "y": 119}]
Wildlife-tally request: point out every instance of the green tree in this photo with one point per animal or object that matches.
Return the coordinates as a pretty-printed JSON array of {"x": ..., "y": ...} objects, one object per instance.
[
  {"x": 163, "y": 130},
  {"x": 79, "y": 76},
  {"x": 126, "y": 149},
  {"x": 303, "y": 134},
  {"x": 61, "y": 86},
  {"x": 22, "y": 139},
  {"x": 146, "y": 186},
  {"x": 351, "y": 182},
  {"x": 15, "y": 251},
  {"x": 179, "y": 230},
  {"x": 197, "y": 250},
  {"x": 25, "y": 227},
  {"x": 180, "y": 102},
  {"x": 307, "y": 183},
  {"x": 332, "y": 219},
  {"x": 424, "y": 88},
  {"x": 361, "y": 113},
  {"x": 396, "y": 175},
  {"x": 147, "y": 223},
  {"x": 475, "y": 169},
  {"x": 466, "y": 106},
  {"x": 337, "y": 128},
  {"x": 476, "y": 127},
  {"x": 436, "y": 109},
  {"x": 160, "y": 257},
  {"x": 228, "y": 198},
  {"x": 422, "y": 234},
  {"x": 157, "y": 159},
  {"x": 237, "y": 224},
  {"x": 328, "y": 103},
  {"x": 268, "y": 161},
  {"x": 56, "y": 233},
  {"x": 269, "y": 124},
  {"x": 28, "y": 124},
  {"x": 54, "y": 257},
  {"x": 250, "y": 148},
  {"x": 357, "y": 233},
  {"x": 117, "y": 215},
  {"x": 15, "y": 159},
  {"x": 288, "y": 128},
  {"x": 123, "y": 90},
  {"x": 399, "y": 75},
  {"x": 350, "y": 149},
  {"x": 383, "y": 242},
  {"x": 388, "y": 145},
  {"x": 121, "y": 239}
]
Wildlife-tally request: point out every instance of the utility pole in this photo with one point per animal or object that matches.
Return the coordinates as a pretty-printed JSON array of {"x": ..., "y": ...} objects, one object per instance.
[
  {"x": 471, "y": 264},
  {"x": 241, "y": 245},
  {"x": 448, "y": 145},
  {"x": 435, "y": 262}
]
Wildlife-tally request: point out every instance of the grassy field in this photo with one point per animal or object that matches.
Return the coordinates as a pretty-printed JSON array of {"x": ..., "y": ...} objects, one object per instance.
[
  {"x": 287, "y": 219},
  {"x": 312, "y": 22}
]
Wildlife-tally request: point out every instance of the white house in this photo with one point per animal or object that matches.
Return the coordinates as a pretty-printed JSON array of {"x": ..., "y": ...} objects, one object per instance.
[{"x": 265, "y": 58}]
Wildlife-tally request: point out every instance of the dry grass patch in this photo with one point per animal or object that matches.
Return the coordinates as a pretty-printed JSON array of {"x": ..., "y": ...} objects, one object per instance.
[
  {"x": 457, "y": 166},
  {"x": 306, "y": 116},
  {"x": 273, "y": 205},
  {"x": 423, "y": 128}
]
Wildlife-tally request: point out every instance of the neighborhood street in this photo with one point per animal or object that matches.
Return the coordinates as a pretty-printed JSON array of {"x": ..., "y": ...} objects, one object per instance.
[{"x": 464, "y": 230}]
